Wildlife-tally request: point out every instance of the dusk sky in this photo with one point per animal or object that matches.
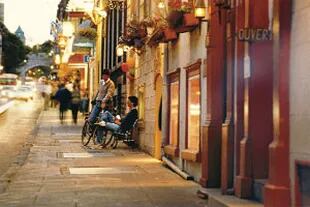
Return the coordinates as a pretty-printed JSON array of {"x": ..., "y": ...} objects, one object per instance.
[{"x": 34, "y": 16}]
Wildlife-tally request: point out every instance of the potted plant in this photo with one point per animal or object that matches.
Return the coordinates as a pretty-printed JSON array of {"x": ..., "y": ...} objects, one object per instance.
[
  {"x": 190, "y": 20},
  {"x": 169, "y": 34},
  {"x": 136, "y": 29},
  {"x": 150, "y": 24},
  {"x": 178, "y": 9}
]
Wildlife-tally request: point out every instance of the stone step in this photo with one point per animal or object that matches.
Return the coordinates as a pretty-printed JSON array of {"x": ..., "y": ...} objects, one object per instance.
[{"x": 216, "y": 199}]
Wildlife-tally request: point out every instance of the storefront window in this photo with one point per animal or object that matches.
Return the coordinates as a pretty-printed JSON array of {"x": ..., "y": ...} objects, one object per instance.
[
  {"x": 193, "y": 110},
  {"x": 174, "y": 114}
]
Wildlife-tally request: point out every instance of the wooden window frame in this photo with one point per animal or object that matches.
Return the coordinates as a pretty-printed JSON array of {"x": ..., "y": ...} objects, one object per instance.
[
  {"x": 173, "y": 150},
  {"x": 190, "y": 154}
]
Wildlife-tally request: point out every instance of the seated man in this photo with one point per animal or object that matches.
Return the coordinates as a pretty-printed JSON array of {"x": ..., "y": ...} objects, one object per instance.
[
  {"x": 104, "y": 116},
  {"x": 130, "y": 118}
]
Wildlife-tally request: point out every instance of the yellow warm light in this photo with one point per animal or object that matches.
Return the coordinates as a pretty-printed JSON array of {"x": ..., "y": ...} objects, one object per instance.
[
  {"x": 101, "y": 12},
  {"x": 200, "y": 12},
  {"x": 88, "y": 6},
  {"x": 62, "y": 42},
  {"x": 119, "y": 51},
  {"x": 57, "y": 59},
  {"x": 161, "y": 5},
  {"x": 67, "y": 29},
  {"x": 195, "y": 109},
  {"x": 65, "y": 58}
]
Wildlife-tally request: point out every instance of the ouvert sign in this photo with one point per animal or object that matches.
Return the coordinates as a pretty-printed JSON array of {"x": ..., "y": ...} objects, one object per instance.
[{"x": 254, "y": 34}]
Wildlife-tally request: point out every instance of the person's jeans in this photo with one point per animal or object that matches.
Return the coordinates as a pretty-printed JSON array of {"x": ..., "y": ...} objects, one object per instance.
[
  {"x": 99, "y": 134},
  {"x": 112, "y": 126},
  {"x": 95, "y": 112}
]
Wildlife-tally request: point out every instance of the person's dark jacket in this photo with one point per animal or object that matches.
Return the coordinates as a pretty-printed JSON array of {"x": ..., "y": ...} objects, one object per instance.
[
  {"x": 129, "y": 120},
  {"x": 63, "y": 95}
]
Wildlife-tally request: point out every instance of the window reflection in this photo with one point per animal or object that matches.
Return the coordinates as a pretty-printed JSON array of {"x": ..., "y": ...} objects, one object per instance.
[
  {"x": 174, "y": 113},
  {"x": 193, "y": 112}
]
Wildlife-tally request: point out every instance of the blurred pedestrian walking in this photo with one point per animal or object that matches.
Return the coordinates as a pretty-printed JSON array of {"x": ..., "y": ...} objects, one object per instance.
[
  {"x": 63, "y": 96},
  {"x": 54, "y": 90},
  {"x": 47, "y": 90},
  {"x": 84, "y": 102},
  {"x": 75, "y": 103}
]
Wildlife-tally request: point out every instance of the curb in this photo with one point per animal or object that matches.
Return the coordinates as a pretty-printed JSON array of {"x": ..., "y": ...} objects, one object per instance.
[{"x": 6, "y": 106}]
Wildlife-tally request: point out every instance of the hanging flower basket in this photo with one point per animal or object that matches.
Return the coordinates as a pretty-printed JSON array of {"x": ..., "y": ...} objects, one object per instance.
[
  {"x": 126, "y": 40},
  {"x": 175, "y": 18},
  {"x": 138, "y": 43},
  {"x": 169, "y": 35},
  {"x": 136, "y": 29},
  {"x": 155, "y": 38},
  {"x": 89, "y": 33},
  {"x": 189, "y": 20}
]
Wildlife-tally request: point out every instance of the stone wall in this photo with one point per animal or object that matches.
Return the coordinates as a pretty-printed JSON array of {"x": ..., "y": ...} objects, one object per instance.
[
  {"x": 299, "y": 86},
  {"x": 145, "y": 77}
]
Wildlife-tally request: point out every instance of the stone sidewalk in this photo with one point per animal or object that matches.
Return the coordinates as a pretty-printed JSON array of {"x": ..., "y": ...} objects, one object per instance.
[{"x": 59, "y": 172}]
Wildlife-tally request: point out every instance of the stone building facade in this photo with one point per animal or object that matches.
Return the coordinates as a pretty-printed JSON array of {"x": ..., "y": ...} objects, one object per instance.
[
  {"x": 299, "y": 99},
  {"x": 186, "y": 52},
  {"x": 147, "y": 68}
]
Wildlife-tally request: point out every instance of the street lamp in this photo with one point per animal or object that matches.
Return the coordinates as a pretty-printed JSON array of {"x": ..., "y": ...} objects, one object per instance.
[{"x": 25, "y": 61}]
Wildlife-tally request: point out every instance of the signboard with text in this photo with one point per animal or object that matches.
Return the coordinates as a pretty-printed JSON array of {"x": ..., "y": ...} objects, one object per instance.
[{"x": 254, "y": 35}]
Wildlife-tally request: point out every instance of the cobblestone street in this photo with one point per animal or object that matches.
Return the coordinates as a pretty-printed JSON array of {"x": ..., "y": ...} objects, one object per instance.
[{"x": 60, "y": 173}]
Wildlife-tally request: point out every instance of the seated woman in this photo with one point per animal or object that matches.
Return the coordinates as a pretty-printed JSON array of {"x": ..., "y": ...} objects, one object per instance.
[
  {"x": 104, "y": 116},
  {"x": 129, "y": 120}
]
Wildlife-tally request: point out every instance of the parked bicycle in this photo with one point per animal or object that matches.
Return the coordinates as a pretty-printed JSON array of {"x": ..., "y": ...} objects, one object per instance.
[{"x": 90, "y": 132}]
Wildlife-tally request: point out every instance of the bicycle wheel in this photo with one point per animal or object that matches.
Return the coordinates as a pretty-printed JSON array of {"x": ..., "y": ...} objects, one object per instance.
[
  {"x": 107, "y": 140},
  {"x": 114, "y": 143},
  {"x": 86, "y": 133}
]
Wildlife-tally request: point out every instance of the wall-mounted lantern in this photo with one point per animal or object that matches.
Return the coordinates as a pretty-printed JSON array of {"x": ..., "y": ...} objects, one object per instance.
[
  {"x": 200, "y": 9},
  {"x": 161, "y": 4},
  {"x": 120, "y": 50},
  {"x": 202, "y": 12}
]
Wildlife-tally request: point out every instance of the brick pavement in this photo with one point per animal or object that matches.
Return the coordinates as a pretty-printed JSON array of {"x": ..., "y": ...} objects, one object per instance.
[{"x": 52, "y": 178}]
